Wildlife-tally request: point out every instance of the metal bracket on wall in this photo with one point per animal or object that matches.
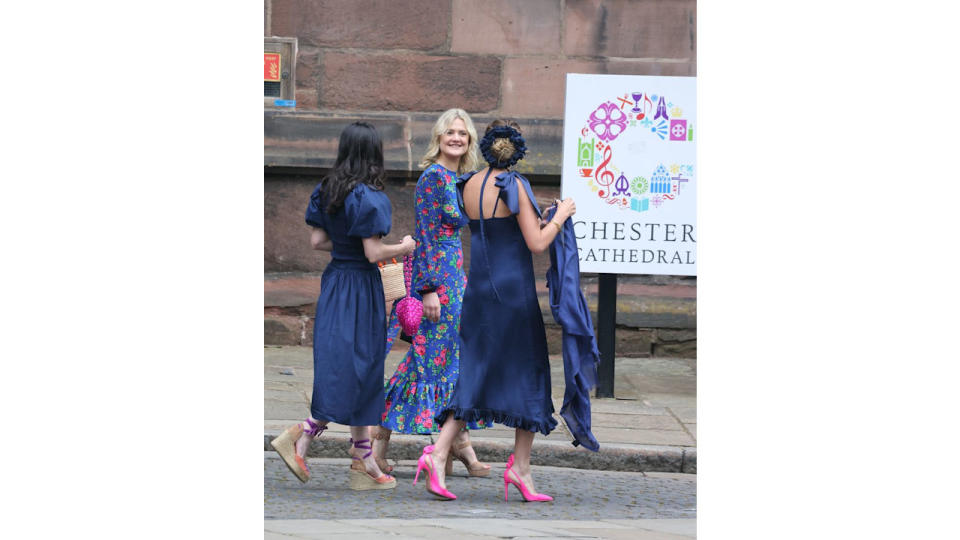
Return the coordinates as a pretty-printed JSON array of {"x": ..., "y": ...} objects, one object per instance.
[{"x": 279, "y": 73}]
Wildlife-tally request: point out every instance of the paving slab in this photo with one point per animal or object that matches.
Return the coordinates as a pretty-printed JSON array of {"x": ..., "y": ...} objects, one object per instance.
[{"x": 638, "y": 430}]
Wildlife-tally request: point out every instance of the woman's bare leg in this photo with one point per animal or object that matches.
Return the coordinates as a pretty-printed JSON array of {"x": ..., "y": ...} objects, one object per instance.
[
  {"x": 303, "y": 443},
  {"x": 359, "y": 433},
  {"x": 441, "y": 448},
  {"x": 522, "y": 445}
]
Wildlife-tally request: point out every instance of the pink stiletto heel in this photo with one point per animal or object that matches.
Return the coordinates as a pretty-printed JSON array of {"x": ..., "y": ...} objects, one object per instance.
[
  {"x": 433, "y": 486},
  {"x": 524, "y": 492}
]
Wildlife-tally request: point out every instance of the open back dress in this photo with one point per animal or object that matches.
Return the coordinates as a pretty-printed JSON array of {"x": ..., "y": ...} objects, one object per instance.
[{"x": 504, "y": 367}]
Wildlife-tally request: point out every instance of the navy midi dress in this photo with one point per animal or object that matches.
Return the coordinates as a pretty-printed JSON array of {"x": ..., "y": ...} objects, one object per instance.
[
  {"x": 504, "y": 367},
  {"x": 349, "y": 331}
]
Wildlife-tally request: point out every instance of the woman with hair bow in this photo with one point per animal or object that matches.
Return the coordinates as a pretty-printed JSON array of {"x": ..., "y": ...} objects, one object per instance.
[{"x": 504, "y": 367}]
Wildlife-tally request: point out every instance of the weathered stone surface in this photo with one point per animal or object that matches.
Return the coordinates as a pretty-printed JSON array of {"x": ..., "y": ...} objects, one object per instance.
[
  {"x": 650, "y": 311},
  {"x": 287, "y": 237},
  {"x": 506, "y": 27},
  {"x": 281, "y": 331},
  {"x": 308, "y": 67},
  {"x": 636, "y": 458},
  {"x": 304, "y": 139},
  {"x": 689, "y": 460},
  {"x": 632, "y": 342},
  {"x": 537, "y": 86},
  {"x": 409, "y": 82},
  {"x": 291, "y": 292},
  {"x": 630, "y": 28},
  {"x": 384, "y": 24},
  {"x": 685, "y": 349},
  {"x": 664, "y": 335},
  {"x": 266, "y": 17},
  {"x": 643, "y": 67}
]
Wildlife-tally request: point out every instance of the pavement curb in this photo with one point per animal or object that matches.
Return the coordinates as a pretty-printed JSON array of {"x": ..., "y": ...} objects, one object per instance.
[{"x": 611, "y": 457}]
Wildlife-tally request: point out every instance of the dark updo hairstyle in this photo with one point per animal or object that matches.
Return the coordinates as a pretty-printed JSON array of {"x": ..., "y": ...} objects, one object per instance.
[
  {"x": 503, "y": 145},
  {"x": 359, "y": 160}
]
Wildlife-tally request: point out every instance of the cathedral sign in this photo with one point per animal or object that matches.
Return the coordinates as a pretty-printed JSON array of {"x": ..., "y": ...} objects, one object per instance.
[{"x": 629, "y": 161}]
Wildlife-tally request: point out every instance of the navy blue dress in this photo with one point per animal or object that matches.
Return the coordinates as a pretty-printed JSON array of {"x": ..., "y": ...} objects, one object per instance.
[
  {"x": 504, "y": 367},
  {"x": 349, "y": 331}
]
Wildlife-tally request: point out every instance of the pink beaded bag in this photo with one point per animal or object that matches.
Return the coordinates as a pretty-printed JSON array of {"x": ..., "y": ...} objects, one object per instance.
[{"x": 409, "y": 309}]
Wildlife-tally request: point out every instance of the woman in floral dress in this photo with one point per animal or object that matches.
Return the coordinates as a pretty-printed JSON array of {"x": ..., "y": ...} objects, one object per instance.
[{"x": 426, "y": 377}]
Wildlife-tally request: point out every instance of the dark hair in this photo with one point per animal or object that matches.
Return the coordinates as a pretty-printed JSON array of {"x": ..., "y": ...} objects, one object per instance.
[
  {"x": 501, "y": 122},
  {"x": 359, "y": 159}
]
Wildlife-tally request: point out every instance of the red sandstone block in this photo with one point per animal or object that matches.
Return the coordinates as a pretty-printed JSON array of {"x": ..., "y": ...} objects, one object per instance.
[
  {"x": 308, "y": 68},
  {"x": 383, "y": 24},
  {"x": 282, "y": 330},
  {"x": 306, "y": 99},
  {"x": 536, "y": 86},
  {"x": 672, "y": 69},
  {"x": 632, "y": 29},
  {"x": 506, "y": 26},
  {"x": 409, "y": 82}
]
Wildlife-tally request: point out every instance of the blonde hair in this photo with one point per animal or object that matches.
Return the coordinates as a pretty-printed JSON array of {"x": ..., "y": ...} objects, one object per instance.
[{"x": 468, "y": 161}]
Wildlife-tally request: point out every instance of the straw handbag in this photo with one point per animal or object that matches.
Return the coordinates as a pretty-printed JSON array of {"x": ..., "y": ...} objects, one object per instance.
[{"x": 391, "y": 274}]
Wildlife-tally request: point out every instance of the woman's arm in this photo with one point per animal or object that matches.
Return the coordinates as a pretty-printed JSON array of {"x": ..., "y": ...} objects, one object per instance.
[
  {"x": 539, "y": 239},
  {"x": 376, "y": 250},
  {"x": 319, "y": 239}
]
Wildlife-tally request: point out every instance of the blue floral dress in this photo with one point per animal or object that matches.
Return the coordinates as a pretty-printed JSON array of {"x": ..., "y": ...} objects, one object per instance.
[{"x": 426, "y": 377}]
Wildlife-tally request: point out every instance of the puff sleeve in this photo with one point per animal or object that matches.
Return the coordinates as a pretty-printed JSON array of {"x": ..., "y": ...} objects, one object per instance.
[
  {"x": 315, "y": 216},
  {"x": 368, "y": 212}
]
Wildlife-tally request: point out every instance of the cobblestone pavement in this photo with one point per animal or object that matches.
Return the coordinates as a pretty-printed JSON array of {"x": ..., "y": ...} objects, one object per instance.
[{"x": 585, "y": 495}]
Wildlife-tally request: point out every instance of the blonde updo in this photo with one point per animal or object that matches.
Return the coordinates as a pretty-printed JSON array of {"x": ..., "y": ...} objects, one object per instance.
[
  {"x": 502, "y": 149},
  {"x": 502, "y": 145}
]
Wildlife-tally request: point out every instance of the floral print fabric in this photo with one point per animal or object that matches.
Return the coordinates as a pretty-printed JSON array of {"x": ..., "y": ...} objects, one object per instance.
[{"x": 426, "y": 377}]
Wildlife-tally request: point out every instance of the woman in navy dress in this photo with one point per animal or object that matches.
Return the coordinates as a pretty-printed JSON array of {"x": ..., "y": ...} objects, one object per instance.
[
  {"x": 504, "y": 367},
  {"x": 349, "y": 214},
  {"x": 424, "y": 380}
]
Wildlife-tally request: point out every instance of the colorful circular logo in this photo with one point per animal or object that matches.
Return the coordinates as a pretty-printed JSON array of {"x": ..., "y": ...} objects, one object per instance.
[{"x": 603, "y": 139}]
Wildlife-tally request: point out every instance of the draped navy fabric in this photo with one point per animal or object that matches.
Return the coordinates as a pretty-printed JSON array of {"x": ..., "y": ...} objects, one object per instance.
[
  {"x": 502, "y": 324},
  {"x": 504, "y": 364},
  {"x": 349, "y": 331},
  {"x": 580, "y": 354}
]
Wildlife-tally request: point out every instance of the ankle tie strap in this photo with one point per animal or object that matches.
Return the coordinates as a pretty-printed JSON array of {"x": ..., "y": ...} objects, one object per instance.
[
  {"x": 356, "y": 444},
  {"x": 315, "y": 429}
]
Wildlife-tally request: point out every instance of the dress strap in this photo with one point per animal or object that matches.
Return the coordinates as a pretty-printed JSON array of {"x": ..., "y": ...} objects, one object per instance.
[{"x": 483, "y": 236}]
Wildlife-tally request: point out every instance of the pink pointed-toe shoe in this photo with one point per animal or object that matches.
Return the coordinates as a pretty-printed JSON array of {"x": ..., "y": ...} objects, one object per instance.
[
  {"x": 433, "y": 485},
  {"x": 524, "y": 492}
]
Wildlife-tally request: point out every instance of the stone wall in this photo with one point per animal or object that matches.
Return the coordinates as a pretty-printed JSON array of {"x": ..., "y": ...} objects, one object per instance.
[
  {"x": 398, "y": 63},
  {"x": 496, "y": 57}
]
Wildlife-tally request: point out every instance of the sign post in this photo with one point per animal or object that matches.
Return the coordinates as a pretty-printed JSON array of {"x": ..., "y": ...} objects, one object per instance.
[
  {"x": 629, "y": 159},
  {"x": 606, "y": 333}
]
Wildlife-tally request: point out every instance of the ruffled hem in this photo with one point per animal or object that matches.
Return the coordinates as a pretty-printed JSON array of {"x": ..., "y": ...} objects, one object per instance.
[
  {"x": 489, "y": 416},
  {"x": 426, "y": 392},
  {"x": 429, "y": 396}
]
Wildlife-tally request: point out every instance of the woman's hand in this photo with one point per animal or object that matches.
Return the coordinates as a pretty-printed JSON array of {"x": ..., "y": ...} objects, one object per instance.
[
  {"x": 409, "y": 244},
  {"x": 566, "y": 208},
  {"x": 431, "y": 306}
]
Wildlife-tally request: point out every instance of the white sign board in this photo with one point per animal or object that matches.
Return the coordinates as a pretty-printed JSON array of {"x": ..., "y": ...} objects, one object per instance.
[{"x": 629, "y": 156}]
